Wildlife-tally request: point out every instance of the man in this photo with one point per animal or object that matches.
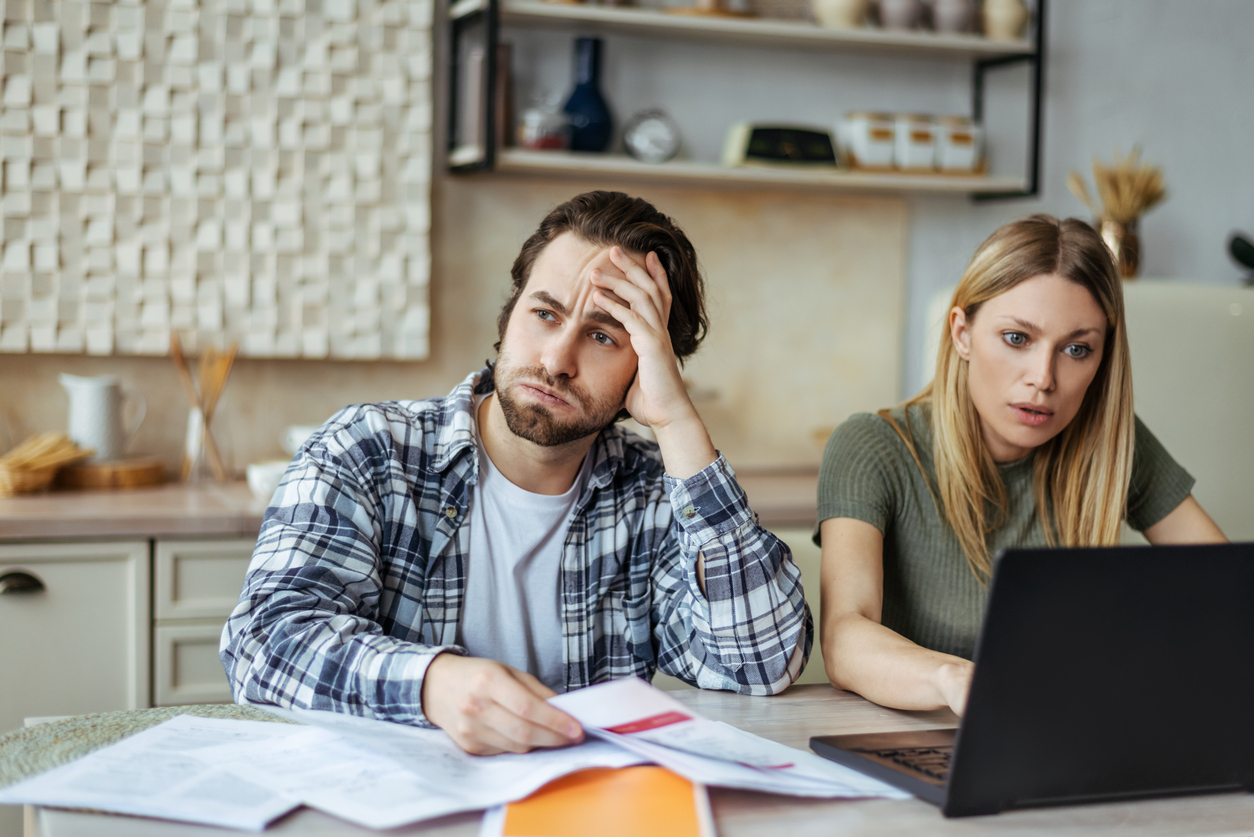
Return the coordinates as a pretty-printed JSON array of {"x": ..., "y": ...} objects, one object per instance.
[{"x": 452, "y": 562}]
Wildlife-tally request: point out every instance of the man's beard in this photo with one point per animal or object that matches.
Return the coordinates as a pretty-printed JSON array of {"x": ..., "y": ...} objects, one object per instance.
[{"x": 536, "y": 423}]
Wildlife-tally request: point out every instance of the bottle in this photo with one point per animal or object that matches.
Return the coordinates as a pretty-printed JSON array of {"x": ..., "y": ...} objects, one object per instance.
[{"x": 591, "y": 125}]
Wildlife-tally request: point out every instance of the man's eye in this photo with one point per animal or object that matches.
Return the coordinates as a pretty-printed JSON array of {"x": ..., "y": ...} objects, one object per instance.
[
  {"x": 1015, "y": 338},
  {"x": 602, "y": 338},
  {"x": 1077, "y": 351},
  {"x": 545, "y": 315}
]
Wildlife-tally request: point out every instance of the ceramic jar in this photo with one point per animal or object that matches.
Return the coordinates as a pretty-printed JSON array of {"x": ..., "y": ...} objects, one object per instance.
[
  {"x": 1004, "y": 20},
  {"x": 953, "y": 15},
  {"x": 839, "y": 14},
  {"x": 959, "y": 144},
  {"x": 915, "y": 142},
  {"x": 900, "y": 14},
  {"x": 867, "y": 139}
]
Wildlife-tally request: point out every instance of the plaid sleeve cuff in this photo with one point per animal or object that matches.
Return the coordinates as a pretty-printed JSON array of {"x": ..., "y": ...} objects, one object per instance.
[{"x": 710, "y": 503}]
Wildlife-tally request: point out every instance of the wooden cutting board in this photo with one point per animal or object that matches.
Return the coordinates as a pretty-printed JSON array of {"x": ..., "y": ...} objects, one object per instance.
[{"x": 131, "y": 472}]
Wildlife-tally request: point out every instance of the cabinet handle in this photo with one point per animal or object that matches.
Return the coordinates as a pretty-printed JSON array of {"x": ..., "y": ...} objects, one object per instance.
[{"x": 18, "y": 582}]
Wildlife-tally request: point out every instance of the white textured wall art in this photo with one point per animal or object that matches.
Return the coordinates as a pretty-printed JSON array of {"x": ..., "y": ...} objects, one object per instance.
[{"x": 251, "y": 170}]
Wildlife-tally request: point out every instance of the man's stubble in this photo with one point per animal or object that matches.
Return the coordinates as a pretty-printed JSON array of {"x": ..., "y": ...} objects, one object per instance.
[{"x": 536, "y": 423}]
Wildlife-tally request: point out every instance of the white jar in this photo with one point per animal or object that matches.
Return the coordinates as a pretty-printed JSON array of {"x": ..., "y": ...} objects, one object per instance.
[
  {"x": 959, "y": 144},
  {"x": 915, "y": 147},
  {"x": 866, "y": 139}
]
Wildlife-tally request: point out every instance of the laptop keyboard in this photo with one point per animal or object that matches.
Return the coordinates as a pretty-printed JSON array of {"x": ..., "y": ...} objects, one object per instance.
[{"x": 930, "y": 761}]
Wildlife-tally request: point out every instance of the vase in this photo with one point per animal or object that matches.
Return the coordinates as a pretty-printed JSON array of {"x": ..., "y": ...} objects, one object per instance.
[
  {"x": 1124, "y": 244},
  {"x": 591, "y": 125},
  {"x": 953, "y": 15},
  {"x": 839, "y": 14},
  {"x": 1004, "y": 20},
  {"x": 900, "y": 14}
]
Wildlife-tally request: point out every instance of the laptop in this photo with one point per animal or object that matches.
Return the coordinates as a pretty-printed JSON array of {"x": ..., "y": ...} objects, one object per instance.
[{"x": 1101, "y": 674}]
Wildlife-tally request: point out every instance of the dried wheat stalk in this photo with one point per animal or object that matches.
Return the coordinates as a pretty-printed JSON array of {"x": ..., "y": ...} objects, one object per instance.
[{"x": 1127, "y": 189}]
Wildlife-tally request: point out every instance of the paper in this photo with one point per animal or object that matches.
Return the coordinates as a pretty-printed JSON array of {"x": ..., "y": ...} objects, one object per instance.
[
  {"x": 651, "y": 723},
  {"x": 159, "y": 773},
  {"x": 382, "y": 775}
]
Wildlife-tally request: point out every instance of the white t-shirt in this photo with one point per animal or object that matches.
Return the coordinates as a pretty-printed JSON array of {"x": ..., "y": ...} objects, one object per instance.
[{"x": 512, "y": 612}]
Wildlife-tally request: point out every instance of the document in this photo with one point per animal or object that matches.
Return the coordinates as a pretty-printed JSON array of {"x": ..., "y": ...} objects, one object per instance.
[
  {"x": 159, "y": 773},
  {"x": 383, "y": 775},
  {"x": 649, "y": 722}
]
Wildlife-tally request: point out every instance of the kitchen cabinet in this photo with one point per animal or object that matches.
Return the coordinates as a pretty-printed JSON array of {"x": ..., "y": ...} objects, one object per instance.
[
  {"x": 473, "y": 135},
  {"x": 196, "y": 584},
  {"x": 77, "y": 639}
]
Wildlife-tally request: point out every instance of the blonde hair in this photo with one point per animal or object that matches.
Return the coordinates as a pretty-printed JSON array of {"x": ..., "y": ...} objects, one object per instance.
[{"x": 1080, "y": 477}]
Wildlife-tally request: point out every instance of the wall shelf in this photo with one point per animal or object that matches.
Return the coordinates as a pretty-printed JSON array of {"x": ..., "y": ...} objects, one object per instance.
[
  {"x": 569, "y": 164},
  {"x": 754, "y": 31},
  {"x": 474, "y": 28}
]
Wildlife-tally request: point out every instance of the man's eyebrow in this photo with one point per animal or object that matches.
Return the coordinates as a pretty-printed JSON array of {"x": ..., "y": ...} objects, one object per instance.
[
  {"x": 596, "y": 315},
  {"x": 1029, "y": 326},
  {"x": 549, "y": 300}
]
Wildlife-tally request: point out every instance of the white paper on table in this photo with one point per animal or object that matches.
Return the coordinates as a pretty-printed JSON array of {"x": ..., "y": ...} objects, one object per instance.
[
  {"x": 384, "y": 774},
  {"x": 159, "y": 773},
  {"x": 636, "y": 716}
]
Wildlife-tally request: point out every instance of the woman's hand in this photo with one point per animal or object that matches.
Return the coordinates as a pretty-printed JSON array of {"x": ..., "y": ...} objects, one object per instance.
[{"x": 953, "y": 681}]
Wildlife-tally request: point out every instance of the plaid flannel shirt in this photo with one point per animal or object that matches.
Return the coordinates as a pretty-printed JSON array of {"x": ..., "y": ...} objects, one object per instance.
[{"x": 359, "y": 574}]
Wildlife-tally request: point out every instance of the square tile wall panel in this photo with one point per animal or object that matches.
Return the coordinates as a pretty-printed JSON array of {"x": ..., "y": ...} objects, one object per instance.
[{"x": 232, "y": 170}]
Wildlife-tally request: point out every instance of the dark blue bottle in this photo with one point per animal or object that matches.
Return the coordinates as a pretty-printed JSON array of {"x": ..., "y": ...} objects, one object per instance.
[{"x": 591, "y": 125}]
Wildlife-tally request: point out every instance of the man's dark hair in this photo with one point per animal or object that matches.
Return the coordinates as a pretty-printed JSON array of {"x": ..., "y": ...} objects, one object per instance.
[{"x": 613, "y": 218}]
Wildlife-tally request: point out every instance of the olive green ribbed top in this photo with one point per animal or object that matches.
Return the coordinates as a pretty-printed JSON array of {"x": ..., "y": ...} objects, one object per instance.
[{"x": 930, "y": 594}]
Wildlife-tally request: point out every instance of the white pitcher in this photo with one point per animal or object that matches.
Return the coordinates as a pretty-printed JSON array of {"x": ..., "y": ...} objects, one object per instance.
[{"x": 96, "y": 414}]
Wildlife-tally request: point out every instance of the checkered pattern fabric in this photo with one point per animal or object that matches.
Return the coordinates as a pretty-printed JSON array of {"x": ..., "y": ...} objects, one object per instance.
[{"x": 359, "y": 575}]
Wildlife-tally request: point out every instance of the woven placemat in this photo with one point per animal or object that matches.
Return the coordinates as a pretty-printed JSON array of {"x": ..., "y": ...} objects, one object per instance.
[{"x": 30, "y": 751}]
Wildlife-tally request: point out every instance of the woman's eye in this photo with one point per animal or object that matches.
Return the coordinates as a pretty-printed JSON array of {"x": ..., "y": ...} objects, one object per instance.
[
  {"x": 1077, "y": 351},
  {"x": 1015, "y": 338}
]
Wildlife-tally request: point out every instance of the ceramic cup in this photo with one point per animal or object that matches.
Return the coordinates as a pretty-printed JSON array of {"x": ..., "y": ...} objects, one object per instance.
[{"x": 264, "y": 477}]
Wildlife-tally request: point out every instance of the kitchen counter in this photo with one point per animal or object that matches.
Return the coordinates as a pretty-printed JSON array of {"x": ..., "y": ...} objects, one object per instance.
[{"x": 781, "y": 499}]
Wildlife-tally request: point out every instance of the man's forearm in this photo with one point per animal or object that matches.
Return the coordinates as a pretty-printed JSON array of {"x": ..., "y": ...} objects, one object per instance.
[{"x": 685, "y": 446}]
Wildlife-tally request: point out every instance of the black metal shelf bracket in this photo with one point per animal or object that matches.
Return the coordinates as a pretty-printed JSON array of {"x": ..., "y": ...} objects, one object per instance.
[
  {"x": 1036, "y": 130},
  {"x": 465, "y": 17}
]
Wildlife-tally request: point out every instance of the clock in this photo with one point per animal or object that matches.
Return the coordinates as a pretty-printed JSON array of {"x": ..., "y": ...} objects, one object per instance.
[{"x": 651, "y": 137}]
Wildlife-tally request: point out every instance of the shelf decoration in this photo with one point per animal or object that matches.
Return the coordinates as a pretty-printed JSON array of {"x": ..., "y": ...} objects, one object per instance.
[
  {"x": 1126, "y": 190},
  {"x": 242, "y": 171},
  {"x": 200, "y": 447}
]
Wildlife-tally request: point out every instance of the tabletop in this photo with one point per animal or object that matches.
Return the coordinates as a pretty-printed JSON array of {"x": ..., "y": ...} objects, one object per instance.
[{"x": 790, "y": 718}]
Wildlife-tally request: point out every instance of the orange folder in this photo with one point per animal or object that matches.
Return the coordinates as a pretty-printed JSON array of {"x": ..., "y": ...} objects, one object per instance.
[{"x": 613, "y": 802}]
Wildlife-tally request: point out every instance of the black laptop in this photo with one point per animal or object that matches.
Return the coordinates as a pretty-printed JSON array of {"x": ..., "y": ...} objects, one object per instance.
[{"x": 1100, "y": 674}]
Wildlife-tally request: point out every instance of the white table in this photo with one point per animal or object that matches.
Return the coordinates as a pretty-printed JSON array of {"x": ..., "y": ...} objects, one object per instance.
[{"x": 791, "y": 719}]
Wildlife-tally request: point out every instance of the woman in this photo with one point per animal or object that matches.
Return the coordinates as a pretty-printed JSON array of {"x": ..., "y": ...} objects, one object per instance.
[{"x": 1025, "y": 437}]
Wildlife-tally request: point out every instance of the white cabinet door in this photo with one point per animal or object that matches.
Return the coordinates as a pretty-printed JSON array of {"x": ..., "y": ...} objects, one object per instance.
[
  {"x": 196, "y": 586},
  {"x": 187, "y": 666},
  {"x": 80, "y": 643}
]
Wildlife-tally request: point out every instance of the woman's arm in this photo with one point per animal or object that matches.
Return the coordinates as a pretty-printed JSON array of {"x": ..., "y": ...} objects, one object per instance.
[
  {"x": 862, "y": 655},
  {"x": 1187, "y": 523}
]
